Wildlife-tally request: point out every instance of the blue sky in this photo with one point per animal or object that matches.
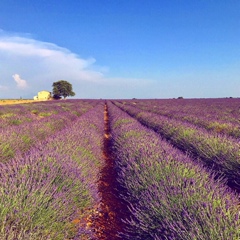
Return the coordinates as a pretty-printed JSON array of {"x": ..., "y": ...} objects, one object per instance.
[{"x": 121, "y": 48}]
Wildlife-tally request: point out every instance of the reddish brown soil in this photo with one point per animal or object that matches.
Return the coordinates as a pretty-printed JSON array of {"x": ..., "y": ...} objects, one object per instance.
[
  {"x": 105, "y": 220},
  {"x": 108, "y": 222}
]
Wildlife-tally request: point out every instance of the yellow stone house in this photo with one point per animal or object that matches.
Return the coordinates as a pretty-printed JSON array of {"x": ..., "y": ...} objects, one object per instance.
[{"x": 43, "y": 95}]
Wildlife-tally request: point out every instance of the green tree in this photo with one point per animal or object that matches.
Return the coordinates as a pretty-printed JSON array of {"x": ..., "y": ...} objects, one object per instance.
[{"x": 62, "y": 88}]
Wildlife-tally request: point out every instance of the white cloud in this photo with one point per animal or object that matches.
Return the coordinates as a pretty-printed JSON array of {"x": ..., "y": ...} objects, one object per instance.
[
  {"x": 21, "y": 83},
  {"x": 50, "y": 55},
  {"x": 43, "y": 63}
]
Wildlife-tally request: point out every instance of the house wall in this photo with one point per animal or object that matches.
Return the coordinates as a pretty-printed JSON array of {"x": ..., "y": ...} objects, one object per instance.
[{"x": 44, "y": 95}]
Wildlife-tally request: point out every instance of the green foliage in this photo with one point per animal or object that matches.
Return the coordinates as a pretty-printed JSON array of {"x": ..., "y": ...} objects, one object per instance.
[
  {"x": 26, "y": 139},
  {"x": 77, "y": 113},
  {"x": 45, "y": 114},
  {"x": 121, "y": 121},
  {"x": 7, "y": 115},
  {"x": 6, "y": 150},
  {"x": 63, "y": 89},
  {"x": 15, "y": 122},
  {"x": 34, "y": 111}
]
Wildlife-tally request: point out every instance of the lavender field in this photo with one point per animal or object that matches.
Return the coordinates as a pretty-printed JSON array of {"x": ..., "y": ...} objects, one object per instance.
[{"x": 120, "y": 169}]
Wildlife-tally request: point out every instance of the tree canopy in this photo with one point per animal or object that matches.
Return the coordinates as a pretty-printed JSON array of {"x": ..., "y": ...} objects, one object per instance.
[{"x": 63, "y": 89}]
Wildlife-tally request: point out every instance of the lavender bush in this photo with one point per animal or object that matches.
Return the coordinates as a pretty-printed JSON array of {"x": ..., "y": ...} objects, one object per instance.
[
  {"x": 19, "y": 138},
  {"x": 216, "y": 151},
  {"x": 169, "y": 196},
  {"x": 39, "y": 195},
  {"x": 43, "y": 190},
  {"x": 216, "y": 115}
]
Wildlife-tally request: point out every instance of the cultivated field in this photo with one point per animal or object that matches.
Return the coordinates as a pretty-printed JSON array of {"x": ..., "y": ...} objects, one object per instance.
[
  {"x": 120, "y": 169},
  {"x": 14, "y": 101}
]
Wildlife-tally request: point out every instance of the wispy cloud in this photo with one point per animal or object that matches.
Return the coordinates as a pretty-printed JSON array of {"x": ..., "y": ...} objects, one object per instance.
[
  {"x": 49, "y": 56},
  {"x": 43, "y": 63},
  {"x": 21, "y": 83}
]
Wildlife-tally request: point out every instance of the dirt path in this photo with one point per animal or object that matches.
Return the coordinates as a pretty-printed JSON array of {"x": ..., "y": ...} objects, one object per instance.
[
  {"x": 105, "y": 220},
  {"x": 108, "y": 222}
]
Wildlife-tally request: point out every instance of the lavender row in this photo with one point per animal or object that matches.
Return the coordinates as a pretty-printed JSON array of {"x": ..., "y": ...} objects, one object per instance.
[
  {"x": 43, "y": 191},
  {"x": 169, "y": 196},
  {"x": 21, "y": 138},
  {"x": 216, "y": 115},
  {"x": 15, "y": 115},
  {"x": 218, "y": 109},
  {"x": 216, "y": 151}
]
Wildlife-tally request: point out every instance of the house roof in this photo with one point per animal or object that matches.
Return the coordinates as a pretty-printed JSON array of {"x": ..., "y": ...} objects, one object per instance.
[{"x": 44, "y": 91}]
